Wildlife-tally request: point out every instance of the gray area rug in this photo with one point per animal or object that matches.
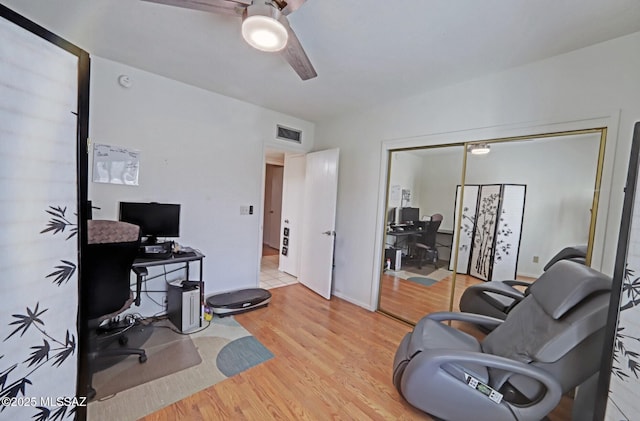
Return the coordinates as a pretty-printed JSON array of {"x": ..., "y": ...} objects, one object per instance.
[{"x": 422, "y": 280}]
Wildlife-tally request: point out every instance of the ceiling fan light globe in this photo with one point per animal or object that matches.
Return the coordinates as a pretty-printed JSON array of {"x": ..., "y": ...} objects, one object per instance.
[{"x": 264, "y": 33}]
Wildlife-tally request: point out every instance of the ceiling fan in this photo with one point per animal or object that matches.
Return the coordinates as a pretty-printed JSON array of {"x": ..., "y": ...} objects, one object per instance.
[{"x": 264, "y": 26}]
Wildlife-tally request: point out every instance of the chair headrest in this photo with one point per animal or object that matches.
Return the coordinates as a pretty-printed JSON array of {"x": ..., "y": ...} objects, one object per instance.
[
  {"x": 436, "y": 217},
  {"x": 103, "y": 231},
  {"x": 575, "y": 253},
  {"x": 566, "y": 284}
]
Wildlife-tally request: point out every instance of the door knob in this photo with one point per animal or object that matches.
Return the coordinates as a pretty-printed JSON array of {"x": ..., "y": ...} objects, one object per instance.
[{"x": 329, "y": 233}]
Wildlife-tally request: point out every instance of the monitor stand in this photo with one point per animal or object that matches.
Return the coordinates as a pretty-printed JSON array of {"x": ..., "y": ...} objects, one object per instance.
[{"x": 151, "y": 239}]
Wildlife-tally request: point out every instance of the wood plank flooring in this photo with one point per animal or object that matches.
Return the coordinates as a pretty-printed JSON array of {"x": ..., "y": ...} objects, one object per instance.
[
  {"x": 333, "y": 360},
  {"x": 410, "y": 301}
]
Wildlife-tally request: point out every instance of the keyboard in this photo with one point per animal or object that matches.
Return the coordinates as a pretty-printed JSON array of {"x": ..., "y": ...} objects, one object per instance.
[
  {"x": 185, "y": 254},
  {"x": 154, "y": 256}
]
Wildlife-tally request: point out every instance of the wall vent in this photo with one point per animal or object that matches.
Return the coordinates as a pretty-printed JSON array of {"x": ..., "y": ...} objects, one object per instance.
[{"x": 287, "y": 133}]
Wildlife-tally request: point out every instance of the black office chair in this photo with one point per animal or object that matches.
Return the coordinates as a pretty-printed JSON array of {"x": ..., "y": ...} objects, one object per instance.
[
  {"x": 107, "y": 263},
  {"x": 425, "y": 245}
]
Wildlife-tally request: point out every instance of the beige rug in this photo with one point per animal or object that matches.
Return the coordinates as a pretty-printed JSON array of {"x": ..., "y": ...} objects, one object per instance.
[
  {"x": 143, "y": 399},
  {"x": 437, "y": 275}
]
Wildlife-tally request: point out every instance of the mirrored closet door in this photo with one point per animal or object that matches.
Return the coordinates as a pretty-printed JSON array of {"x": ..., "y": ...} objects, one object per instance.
[{"x": 504, "y": 215}]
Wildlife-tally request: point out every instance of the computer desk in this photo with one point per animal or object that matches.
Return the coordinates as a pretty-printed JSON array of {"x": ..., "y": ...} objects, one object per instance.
[
  {"x": 401, "y": 238},
  {"x": 140, "y": 266}
]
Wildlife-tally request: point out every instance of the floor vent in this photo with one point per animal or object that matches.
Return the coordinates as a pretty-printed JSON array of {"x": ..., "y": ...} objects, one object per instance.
[{"x": 287, "y": 133}]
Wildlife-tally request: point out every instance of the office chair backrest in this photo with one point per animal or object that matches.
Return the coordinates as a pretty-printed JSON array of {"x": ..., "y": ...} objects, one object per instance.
[
  {"x": 112, "y": 247},
  {"x": 558, "y": 327},
  {"x": 428, "y": 238}
]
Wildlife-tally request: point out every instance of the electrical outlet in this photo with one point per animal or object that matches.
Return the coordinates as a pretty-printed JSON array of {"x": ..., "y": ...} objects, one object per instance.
[{"x": 536, "y": 259}]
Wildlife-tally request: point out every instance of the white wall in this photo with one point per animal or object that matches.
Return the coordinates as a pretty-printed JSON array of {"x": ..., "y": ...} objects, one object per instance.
[
  {"x": 405, "y": 172},
  {"x": 197, "y": 148},
  {"x": 599, "y": 81},
  {"x": 441, "y": 171}
]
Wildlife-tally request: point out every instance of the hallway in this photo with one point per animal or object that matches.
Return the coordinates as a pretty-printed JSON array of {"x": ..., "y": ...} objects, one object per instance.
[{"x": 270, "y": 276}]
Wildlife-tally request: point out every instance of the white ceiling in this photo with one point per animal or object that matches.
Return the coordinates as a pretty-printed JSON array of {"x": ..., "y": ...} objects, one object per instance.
[{"x": 365, "y": 52}]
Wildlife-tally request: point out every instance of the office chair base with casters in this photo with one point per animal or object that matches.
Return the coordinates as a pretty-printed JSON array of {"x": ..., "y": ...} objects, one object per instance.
[
  {"x": 112, "y": 331},
  {"x": 104, "y": 332},
  {"x": 122, "y": 351},
  {"x": 426, "y": 255}
]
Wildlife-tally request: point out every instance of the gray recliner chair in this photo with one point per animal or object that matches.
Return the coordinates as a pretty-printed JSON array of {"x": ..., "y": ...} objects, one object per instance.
[
  {"x": 548, "y": 344},
  {"x": 497, "y": 298}
]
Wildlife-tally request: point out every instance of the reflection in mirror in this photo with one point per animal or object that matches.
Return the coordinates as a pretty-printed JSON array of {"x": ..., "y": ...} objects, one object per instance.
[
  {"x": 419, "y": 231},
  {"x": 547, "y": 188},
  {"x": 543, "y": 190}
]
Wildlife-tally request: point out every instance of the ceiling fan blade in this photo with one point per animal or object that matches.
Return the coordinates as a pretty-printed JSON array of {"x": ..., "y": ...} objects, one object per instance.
[
  {"x": 227, "y": 7},
  {"x": 295, "y": 55},
  {"x": 291, "y": 6}
]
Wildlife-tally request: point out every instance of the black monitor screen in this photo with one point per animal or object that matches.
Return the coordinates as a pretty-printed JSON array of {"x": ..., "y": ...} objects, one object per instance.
[
  {"x": 409, "y": 214},
  {"x": 391, "y": 216},
  {"x": 154, "y": 219}
]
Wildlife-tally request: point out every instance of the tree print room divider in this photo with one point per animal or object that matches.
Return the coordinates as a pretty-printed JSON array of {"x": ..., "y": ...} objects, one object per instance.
[
  {"x": 490, "y": 231},
  {"x": 43, "y": 178}
]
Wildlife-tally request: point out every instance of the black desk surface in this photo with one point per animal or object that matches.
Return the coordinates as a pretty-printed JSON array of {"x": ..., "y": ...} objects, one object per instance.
[
  {"x": 404, "y": 232},
  {"x": 174, "y": 258}
]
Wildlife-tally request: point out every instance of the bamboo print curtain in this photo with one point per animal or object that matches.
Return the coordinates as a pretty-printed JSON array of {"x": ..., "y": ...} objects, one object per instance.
[{"x": 39, "y": 224}]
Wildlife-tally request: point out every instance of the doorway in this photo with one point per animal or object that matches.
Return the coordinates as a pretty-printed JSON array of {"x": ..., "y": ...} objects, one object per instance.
[
  {"x": 272, "y": 209},
  {"x": 270, "y": 274}
]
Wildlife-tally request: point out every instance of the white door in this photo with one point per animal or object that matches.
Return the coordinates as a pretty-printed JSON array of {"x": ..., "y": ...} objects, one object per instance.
[
  {"x": 318, "y": 222},
  {"x": 292, "y": 200}
]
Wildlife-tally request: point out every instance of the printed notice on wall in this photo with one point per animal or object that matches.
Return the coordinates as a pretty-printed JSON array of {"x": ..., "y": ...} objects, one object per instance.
[
  {"x": 395, "y": 195},
  {"x": 115, "y": 165}
]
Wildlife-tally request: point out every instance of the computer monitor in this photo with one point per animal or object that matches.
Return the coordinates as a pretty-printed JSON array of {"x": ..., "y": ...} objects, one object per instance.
[
  {"x": 409, "y": 215},
  {"x": 154, "y": 219},
  {"x": 391, "y": 216}
]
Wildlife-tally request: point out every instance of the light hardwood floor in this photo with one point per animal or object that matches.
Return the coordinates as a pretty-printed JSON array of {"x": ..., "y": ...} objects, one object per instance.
[{"x": 333, "y": 360}]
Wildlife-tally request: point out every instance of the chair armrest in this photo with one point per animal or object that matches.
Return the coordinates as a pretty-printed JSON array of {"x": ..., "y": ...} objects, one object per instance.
[
  {"x": 140, "y": 272},
  {"x": 501, "y": 288},
  {"x": 513, "y": 283},
  {"x": 536, "y": 410},
  {"x": 478, "y": 319}
]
